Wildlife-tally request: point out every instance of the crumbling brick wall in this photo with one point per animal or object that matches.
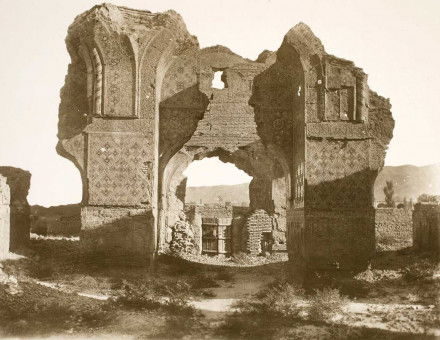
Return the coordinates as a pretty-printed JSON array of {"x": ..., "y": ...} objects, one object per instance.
[
  {"x": 239, "y": 216},
  {"x": 4, "y": 217},
  {"x": 393, "y": 228},
  {"x": 257, "y": 223},
  {"x": 19, "y": 182},
  {"x": 426, "y": 227},
  {"x": 138, "y": 95}
]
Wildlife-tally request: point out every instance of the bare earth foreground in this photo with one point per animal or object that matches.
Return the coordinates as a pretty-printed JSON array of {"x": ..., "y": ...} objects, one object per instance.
[{"x": 51, "y": 292}]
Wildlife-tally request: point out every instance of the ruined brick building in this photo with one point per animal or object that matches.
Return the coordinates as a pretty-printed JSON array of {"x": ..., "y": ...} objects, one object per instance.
[
  {"x": 225, "y": 230},
  {"x": 138, "y": 106}
]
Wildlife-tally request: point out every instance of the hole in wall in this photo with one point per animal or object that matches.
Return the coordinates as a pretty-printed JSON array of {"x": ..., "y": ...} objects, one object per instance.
[
  {"x": 218, "y": 82},
  {"x": 211, "y": 181}
]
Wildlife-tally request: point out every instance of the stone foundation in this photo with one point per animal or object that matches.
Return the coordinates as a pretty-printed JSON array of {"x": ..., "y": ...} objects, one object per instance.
[
  {"x": 117, "y": 235},
  {"x": 339, "y": 239}
]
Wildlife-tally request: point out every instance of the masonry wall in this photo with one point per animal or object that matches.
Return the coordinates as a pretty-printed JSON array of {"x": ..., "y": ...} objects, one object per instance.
[
  {"x": 19, "y": 182},
  {"x": 239, "y": 216},
  {"x": 393, "y": 228},
  {"x": 257, "y": 223},
  {"x": 4, "y": 217},
  {"x": 426, "y": 227},
  {"x": 304, "y": 124},
  {"x": 116, "y": 235}
]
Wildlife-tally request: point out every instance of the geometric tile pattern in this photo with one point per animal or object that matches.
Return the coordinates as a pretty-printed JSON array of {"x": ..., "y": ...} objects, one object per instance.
[
  {"x": 119, "y": 70},
  {"x": 330, "y": 160},
  {"x": 338, "y": 174},
  {"x": 119, "y": 169},
  {"x": 182, "y": 75}
]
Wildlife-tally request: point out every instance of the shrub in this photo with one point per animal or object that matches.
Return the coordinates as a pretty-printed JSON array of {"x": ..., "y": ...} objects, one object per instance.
[
  {"x": 139, "y": 298},
  {"x": 426, "y": 198},
  {"x": 93, "y": 316},
  {"x": 158, "y": 295},
  {"x": 356, "y": 288},
  {"x": 280, "y": 299},
  {"x": 418, "y": 271},
  {"x": 388, "y": 190},
  {"x": 263, "y": 315},
  {"x": 22, "y": 315},
  {"x": 283, "y": 299},
  {"x": 325, "y": 304}
]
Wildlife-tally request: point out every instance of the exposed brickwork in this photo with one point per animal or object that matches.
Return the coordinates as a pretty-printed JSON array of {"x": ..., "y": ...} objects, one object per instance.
[
  {"x": 257, "y": 223},
  {"x": 393, "y": 228},
  {"x": 304, "y": 124},
  {"x": 426, "y": 224}
]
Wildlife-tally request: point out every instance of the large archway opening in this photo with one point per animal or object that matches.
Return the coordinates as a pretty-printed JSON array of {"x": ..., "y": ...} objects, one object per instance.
[
  {"x": 216, "y": 205},
  {"x": 230, "y": 202},
  {"x": 211, "y": 181}
]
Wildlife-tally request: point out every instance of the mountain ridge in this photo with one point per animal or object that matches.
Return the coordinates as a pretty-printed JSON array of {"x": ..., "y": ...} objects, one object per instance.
[{"x": 410, "y": 181}]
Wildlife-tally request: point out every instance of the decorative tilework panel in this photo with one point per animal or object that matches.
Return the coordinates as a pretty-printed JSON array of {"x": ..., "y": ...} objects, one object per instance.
[
  {"x": 338, "y": 174},
  {"x": 334, "y": 159},
  {"x": 119, "y": 169},
  {"x": 119, "y": 72},
  {"x": 182, "y": 75}
]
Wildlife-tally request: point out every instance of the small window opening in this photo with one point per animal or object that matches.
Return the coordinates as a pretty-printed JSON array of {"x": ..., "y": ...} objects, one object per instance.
[{"x": 218, "y": 81}]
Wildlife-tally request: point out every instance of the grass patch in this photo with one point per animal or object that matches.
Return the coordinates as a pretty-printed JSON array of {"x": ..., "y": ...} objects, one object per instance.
[
  {"x": 326, "y": 304},
  {"x": 225, "y": 275},
  {"x": 158, "y": 295},
  {"x": 39, "y": 311},
  {"x": 202, "y": 281},
  {"x": 260, "y": 316},
  {"x": 422, "y": 270}
]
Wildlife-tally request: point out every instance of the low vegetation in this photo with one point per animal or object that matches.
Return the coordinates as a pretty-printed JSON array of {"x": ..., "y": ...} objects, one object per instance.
[
  {"x": 38, "y": 310},
  {"x": 326, "y": 304},
  {"x": 169, "y": 303},
  {"x": 279, "y": 306}
]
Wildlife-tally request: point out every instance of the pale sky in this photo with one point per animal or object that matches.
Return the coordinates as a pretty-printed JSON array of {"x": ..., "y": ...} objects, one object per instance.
[{"x": 396, "y": 42}]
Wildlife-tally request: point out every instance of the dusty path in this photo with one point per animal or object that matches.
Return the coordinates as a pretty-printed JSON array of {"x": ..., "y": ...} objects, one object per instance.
[
  {"x": 387, "y": 316},
  {"x": 243, "y": 285}
]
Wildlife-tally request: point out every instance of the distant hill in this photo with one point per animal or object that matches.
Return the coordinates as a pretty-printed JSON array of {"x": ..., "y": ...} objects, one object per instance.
[
  {"x": 59, "y": 210},
  {"x": 236, "y": 194},
  {"x": 409, "y": 181}
]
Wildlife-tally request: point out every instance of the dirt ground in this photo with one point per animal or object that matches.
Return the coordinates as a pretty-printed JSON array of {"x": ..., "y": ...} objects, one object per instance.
[{"x": 52, "y": 292}]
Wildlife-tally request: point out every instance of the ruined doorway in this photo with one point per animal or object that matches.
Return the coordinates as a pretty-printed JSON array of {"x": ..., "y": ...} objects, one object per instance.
[{"x": 215, "y": 213}]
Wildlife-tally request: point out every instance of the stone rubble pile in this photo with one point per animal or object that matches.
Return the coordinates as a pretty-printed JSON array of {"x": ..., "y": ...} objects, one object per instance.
[{"x": 182, "y": 238}]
